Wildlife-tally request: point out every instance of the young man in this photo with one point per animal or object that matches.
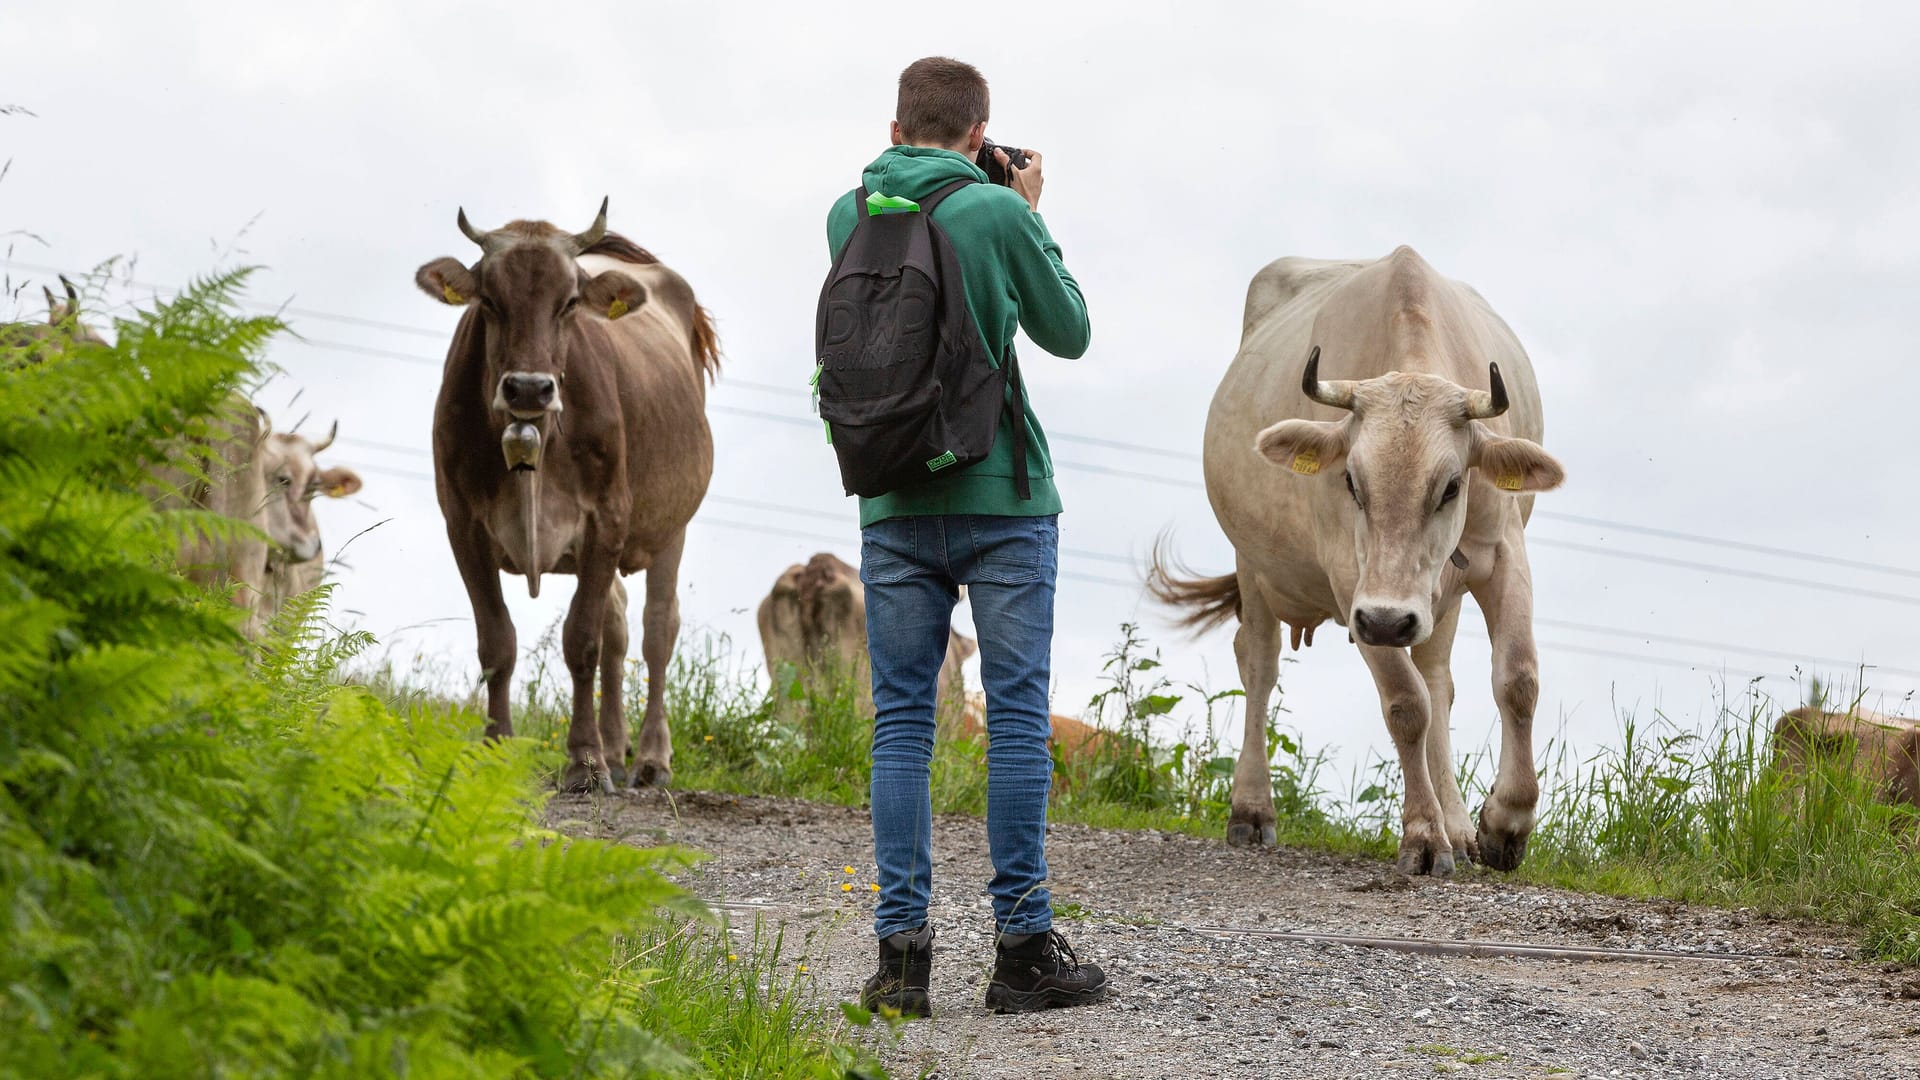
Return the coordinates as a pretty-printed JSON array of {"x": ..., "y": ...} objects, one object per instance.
[{"x": 969, "y": 527}]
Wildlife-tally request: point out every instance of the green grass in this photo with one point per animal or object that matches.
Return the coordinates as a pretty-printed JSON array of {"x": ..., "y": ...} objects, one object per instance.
[
  {"x": 1671, "y": 811},
  {"x": 218, "y": 860}
]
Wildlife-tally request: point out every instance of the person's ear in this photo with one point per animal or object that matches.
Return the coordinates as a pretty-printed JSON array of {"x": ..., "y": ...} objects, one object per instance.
[
  {"x": 976, "y": 138},
  {"x": 893, "y": 132}
]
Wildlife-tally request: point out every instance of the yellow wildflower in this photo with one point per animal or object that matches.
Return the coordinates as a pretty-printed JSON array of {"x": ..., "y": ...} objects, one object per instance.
[
  {"x": 875, "y": 886},
  {"x": 848, "y": 869},
  {"x": 848, "y": 887}
]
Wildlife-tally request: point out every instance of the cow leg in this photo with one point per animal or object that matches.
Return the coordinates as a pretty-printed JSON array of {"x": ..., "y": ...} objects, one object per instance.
[
  {"x": 660, "y": 628},
  {"x": 493, "y": 626},
  {"x": 1424, "y": 848},
  {"x": 1507, "y": 817},
  {"x": 580, "y": 642},
  {"x": 613, "y": 671},
  {"x": 1434, "y": 658},
  {"x": 1256, "y": 645}
]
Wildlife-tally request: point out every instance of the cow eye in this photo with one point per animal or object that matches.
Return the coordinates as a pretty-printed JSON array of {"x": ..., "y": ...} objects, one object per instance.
[
  {"x": 567, "y": 306},
  {"x": 1451, "y": 492},
  {"x": 487, "y": 307},
  {"x": 1354, "y": 491}
]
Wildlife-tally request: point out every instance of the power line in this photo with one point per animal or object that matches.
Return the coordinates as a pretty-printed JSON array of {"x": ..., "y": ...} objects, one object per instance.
[
  {"x": 1563, "y": 624},
  {"x": 1668, "y": 534},
  {"x": 1737, "y": 545},
  {"x": 1715, "y": 568},
  {"x": 1697, "y": 643}
]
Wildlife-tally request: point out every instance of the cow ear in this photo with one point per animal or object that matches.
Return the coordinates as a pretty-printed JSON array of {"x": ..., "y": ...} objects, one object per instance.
[
  {"x": 1306, "y": 447},
  {"x": 447, "y": 281},
  {"x": 1519, "y": 466},
  {"x": 611, "y": 293},
  {"x": 339, "y": 482}
]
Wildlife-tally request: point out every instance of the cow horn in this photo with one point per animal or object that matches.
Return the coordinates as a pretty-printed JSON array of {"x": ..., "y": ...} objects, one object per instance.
[
  {"x": 471, "y": 233},
  {"x": 1485, "y": 405},
  {"x": 1338, "y": 393},
  {"x": 328, "y": 441},
  {"x": 53, "y": 305},
  {"x": 585, "y": 240},
  {"x": 73, "y": 294}
]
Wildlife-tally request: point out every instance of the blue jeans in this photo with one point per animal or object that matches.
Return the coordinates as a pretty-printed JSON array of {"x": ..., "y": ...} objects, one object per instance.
[{"x": 912, "y": 568}]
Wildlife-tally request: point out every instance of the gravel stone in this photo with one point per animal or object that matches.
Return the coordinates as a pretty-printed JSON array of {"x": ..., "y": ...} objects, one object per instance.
[{"x": 1194, "y": 994}]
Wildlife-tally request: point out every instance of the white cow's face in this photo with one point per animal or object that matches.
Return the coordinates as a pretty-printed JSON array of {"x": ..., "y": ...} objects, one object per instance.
[
  {"x": 1405, "y": 459},
  {"x": 294, "y": 480}
]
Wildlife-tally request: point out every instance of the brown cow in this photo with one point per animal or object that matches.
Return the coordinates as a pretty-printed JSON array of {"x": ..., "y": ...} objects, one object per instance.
[
  {"x": 570, "y": 437},
  {"x": 814, "y": 622},
  {"x": 1882, "y": 749}
]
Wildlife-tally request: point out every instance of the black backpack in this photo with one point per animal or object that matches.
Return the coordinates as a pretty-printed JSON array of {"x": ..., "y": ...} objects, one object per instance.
[{"x": 903, "y": 383}]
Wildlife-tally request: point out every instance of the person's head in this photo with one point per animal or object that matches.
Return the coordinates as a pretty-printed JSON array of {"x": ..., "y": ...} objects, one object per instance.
[{"x": 943, "y": 104}]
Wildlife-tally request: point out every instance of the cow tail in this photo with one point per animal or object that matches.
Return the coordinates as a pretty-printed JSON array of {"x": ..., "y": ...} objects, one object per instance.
[
  {"x": 704, "y": 340},
  {"x": 1209, "y": 601}
]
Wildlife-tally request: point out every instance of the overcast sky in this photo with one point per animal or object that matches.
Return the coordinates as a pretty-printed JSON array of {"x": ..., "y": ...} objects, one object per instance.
[{"x": 1702, "y": 220}]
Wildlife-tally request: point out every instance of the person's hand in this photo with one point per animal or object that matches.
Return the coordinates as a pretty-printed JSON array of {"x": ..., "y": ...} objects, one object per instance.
[{"x": 1026, "y": 181}]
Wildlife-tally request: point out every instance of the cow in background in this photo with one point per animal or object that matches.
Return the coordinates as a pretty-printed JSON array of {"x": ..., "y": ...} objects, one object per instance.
[
  {"x": 1882, "y": 750},
  {"x": 814, "y": 624},
  {"x": 63, "y": 328},
  {"x": 297, "y": 558}
]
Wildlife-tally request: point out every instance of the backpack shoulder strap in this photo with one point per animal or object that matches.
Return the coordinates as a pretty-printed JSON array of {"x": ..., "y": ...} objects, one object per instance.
[{"x": 933, "y": 201}]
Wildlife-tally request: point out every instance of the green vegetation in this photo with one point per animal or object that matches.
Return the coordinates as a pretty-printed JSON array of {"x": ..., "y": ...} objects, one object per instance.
[
  {"x": 1672, "y": 812},
  {"x": 216, "y": 859}
]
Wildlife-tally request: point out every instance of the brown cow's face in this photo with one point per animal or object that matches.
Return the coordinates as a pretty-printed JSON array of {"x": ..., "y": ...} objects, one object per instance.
[
  {"x": 1403, "y": 461},
  {"x": 529, "y": 290},
  {"x": 294, "y": 480}
]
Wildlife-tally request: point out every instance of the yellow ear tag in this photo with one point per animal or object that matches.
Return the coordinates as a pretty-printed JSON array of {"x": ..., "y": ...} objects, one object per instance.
[
  {"x": 334, "y": 491},
  {"x": 1306, "y": 462},
  {"x": 1508, "y": 481},
  {"x": 617, "y": 308},
  {"x": 452, "y": 297}
]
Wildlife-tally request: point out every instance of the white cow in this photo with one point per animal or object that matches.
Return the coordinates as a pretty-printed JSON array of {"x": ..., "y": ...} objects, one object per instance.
[{"x": 1378, "y": 500}]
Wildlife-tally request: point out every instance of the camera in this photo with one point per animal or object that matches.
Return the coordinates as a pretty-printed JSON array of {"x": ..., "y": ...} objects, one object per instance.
[{"x": 995, "y": 174}]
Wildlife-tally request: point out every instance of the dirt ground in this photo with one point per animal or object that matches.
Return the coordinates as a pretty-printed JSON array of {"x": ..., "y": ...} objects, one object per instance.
[{"x": 1176, "y": 922}]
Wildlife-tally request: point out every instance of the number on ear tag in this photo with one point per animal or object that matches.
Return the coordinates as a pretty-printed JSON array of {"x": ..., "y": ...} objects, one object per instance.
[
  {"x": 617, "y": 308},
  {"x": 1508, "y": 481},
  {"x": 1306, "y": 462},
  {"x": 452, "y": 297}
]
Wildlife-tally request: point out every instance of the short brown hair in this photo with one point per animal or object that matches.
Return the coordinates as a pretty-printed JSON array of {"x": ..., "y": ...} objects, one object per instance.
[{"x": 940, "y": 100}]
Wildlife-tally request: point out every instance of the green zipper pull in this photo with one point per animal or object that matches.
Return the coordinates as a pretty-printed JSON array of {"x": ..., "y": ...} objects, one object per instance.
[
  {"x": 829, "y": 426},
  {"x": 818, "y": 367}
]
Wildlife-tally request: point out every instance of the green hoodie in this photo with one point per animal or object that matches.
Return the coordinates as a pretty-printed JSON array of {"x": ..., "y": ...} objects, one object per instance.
[{"x": 1014, "y": 278}]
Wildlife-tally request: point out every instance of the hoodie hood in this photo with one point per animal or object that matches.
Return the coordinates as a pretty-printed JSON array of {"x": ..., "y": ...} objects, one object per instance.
[{"x": 915, "y": 172}]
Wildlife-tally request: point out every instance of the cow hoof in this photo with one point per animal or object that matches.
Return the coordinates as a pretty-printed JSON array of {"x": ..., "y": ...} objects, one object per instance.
[
  {"x": 1250, "y": 834},
  {"x": 1502, "y": 851},
  {"x": 1419, "y": 859},
  {"x": 581, "y": 778},
  {"x": 617, "y": 775},
  {"x": 648, "y": 774}
]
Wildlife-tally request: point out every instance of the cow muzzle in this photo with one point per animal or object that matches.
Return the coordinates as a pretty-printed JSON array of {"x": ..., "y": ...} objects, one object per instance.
[
  {"x": 527, "y": 394},
  {"x": 304, "y": 548},
  {"x": 1388, "y": 625}
]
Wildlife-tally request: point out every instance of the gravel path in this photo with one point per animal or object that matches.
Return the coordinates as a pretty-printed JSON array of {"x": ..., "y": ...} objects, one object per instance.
[{"x": 1192, "y": 999}]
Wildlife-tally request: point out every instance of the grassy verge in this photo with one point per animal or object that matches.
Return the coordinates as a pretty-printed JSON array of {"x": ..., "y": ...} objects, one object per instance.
[
  {"x": 217, "y": 860},
  {"x": 1671, "y": 811}
]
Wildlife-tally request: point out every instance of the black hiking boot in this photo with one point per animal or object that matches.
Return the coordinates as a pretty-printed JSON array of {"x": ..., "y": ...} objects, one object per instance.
[
  {"x": 1039, "y": 971},
  {"x": 900, "y": 984}
]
